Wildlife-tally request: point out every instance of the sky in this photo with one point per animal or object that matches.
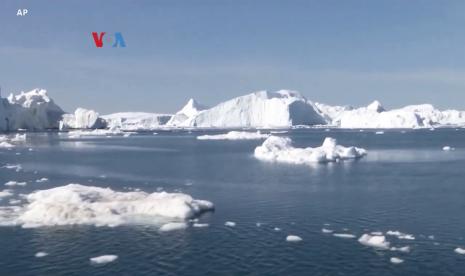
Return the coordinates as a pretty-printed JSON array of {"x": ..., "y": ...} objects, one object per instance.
[{"x": 336, "y": 52}]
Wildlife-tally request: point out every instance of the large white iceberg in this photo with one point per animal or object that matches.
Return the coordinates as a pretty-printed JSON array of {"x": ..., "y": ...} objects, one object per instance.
[
  {"x": 280, "y": 149},
  {"x": 376, "y": 116},
  {"x": 82, "y": 119},
  {"x": 133, "y": 121},
  {"x": 33, "y": 110},
  {"x": 79, "y": 204},
  {"x": 188, "y": 112},
  {"x": 261, "y": 109}
]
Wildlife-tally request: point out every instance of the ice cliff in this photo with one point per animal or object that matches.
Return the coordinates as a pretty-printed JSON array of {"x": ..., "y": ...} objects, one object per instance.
[
  {"x": 189, "y": 111},
  {"x": 133, "y": 121},
  {"x": 82, "y": 119}
]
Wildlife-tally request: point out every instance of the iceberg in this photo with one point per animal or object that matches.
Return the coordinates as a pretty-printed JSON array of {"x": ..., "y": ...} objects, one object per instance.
[
  {"x": 280, "y": 149},
  {"x": 82, "y": 119},
  {"x": 188, "y": 112},
  {"x": 376, "y": 241},
  {"x": 261, "y": 109},
  {"x": 78, "y": 204},
  {"x": 235, "y": 135},
  {"x": 33, "y": 110},
  {"x": 136, "y": 121}
]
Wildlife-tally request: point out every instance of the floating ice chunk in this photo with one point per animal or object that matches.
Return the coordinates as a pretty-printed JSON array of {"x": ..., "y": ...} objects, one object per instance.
[
  {"x": 172, "y": 226},
  {"x": 280, "y": 149},
  {"x": 14, "y": 201},
  {"x": 258, "y": 224},
  {"x": 103, "y": 259},
  {"x": 293, "y": 238},
  {"x": 344, "y": 235},
  {"x": 277, "y": 229},
  {"x": 400, "y": 235},
  {"x": 43, "y": 179},
  {"x": 40, "y": 254},
  {"x": 19, "y": 138},
  {"x": 79, "y": 204},
  {"x": 405, "y": 249},
  {"x": 5, "y": 193},
  {"x": 396, "y": 260},
  {"x": 16, "y": 167},
  {"x": 230, "y": 223},
  {"x": 447, "y": 148},
  {"x": 377, "y": 233},
  {"x": 235, "y": 135},
  {"x": 326, "y": 231},
  {"x": 6, "y": 145},
  {"x": 200, "y": 225},
  {"x": 459, "y": 250},
  {"x": 15, "y": 183},
  {"x": 379, "y": 132},
  {"x": 374, "y": 241}
]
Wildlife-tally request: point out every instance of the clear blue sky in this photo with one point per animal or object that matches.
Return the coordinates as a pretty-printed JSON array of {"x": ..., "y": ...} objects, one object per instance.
[{"x": 338, "y": 52}]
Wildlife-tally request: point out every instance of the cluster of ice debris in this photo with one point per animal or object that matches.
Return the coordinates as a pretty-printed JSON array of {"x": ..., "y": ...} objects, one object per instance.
[
  {"x": 8, "y": 141},
  {"x": 35, "y": 110},
  {"x": 79, "y": 204}
]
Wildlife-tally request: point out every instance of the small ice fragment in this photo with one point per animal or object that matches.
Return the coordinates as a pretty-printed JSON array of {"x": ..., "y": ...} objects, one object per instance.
[
  {"x": 344, "y": 236},
  {"x": 200, "y": 225},
  {"x": 258, "y": 224},
  {"x": 5, "y": 193},
  {"x": 230, "y": 223},
  {"x": 459, "y": 250},
  {"x": 103, "y": 259},
  {"x": 172, "y": 226},
  {"x": 14, "y": 201},
  {"x": 374, "y": 241},
  {"x": 377, "y": 233},
  {"x": 40, "y": 254},
  {"x": 293, "y": 238},
  {"x": 43, "y": 179},
  {"x": 277, "y": 229},
  {"x": 431, "y": 237},
  {"x": 15, "y": 183},
  {"x": 447, "y": 148},
  {"x": 405, "y": 249},
  {"x": 396, "y": 260},
  {"x": 400, "y": 235},
  {"x": 326, "y": 231},
  {"x": 379, "y": 132}
]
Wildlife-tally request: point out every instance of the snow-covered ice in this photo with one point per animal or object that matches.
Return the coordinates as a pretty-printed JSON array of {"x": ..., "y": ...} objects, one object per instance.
[
  {"x": 41, "y": 254},
  {"x": 79, "y": 204},
  {"x": 344, "y": 235},
  {"x": 172, "y": 226},
  {"x": 103, "y": 259},
  {"x": 230, "y": 223},
  {"x": 447, "y": 148},
  {"x": 293, "y": 238},
  {"x": 400, "y": 235},
  {"x": 186, "y": 114},
  {"x": 235, "y": 135},
  {"x": 6, "y": 193},
  {"x": 15, "y": 183},
  {"x": 280, "y": 149},
  {"x": 396, "y": 260},
  {"x": 82, "y": 119},
  {"x": 326, "y": 231},
  {"x": 200, "y": 225},
  {"x": 377, "y": 241},
  {"x": 404, "y": 249},
  {"x": 459, "y": 250},
  {"x": 134, "y": 121},
  {"x": 43, "y": 179}
]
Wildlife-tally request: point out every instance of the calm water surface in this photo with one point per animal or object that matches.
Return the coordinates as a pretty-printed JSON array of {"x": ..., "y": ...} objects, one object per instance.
[{"x": 406, "y": 183}]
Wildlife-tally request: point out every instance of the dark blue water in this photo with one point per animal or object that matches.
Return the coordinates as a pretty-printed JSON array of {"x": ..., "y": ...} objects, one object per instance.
[{"x": 406, "y": 183}]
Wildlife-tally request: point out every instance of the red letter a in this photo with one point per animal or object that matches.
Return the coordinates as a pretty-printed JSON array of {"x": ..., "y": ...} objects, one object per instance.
[{"x": 98, "y": 39}]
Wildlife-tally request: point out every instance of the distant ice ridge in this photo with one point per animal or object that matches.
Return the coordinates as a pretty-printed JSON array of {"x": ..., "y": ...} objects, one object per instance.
[
  {"x": 79, "y": 204},
  {"x": 279, "y": 109},
  {"x": 280, "y": 149},
  {"x": 136, "y": 121},
  {"x": 376, "y": 116},
  {"x": 188, "y": 112},
  {"x": 82, "y": 119},
  {"x": 235, "y": 135}
]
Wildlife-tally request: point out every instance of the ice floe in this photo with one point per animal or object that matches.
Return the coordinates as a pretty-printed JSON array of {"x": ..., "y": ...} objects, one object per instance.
[
  {"x": 447, "y": 148},
  {"x": 344, "y": 235},
  {"x": 230, "y": 223},
  {"x": 400, "y": 235},
  {"x": 6, "y": 193},
  {"x": 16, "y": 167},
  {"x": 41, "y": 254},
  {"x": 459, "y": 250},
  {"x": 43, "y": 179},
  {"x": 405, "y": 249},
  {"x": 200, "y": 225},
  {"x": 172, "y": 226},
  {"x": 326, "y": 231},
  {"x": 235, "y": 135},
  {"x": 375, "y": 241},
  {"x": 15, "y": 183},
  {"x": 79, "y": 204},
  {"x": 103, "y": 259},
  {"x": 396, "y": 260},
  {"x": 293, "y": 238},
  {"x": 280, "y": 149}
]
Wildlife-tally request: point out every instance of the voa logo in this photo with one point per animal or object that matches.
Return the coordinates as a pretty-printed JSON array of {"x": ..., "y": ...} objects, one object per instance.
[{"x": 115, "y": 40}]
